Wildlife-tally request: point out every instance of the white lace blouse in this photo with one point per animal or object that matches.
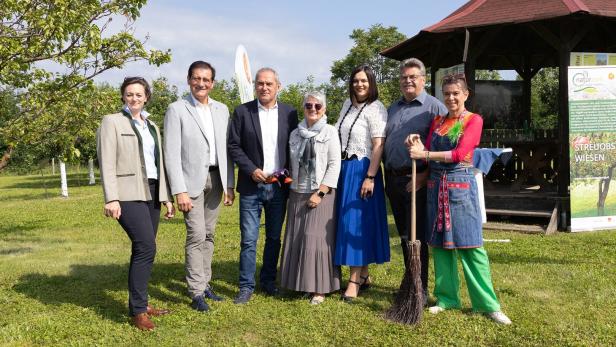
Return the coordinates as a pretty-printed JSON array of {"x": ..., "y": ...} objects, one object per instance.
[{"x": 370, "y": 124}]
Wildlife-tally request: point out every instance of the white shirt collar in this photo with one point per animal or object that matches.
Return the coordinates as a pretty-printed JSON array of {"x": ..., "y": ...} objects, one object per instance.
[
  {"x": 197, "y": 103},
  {"x": 264, "y": 108},
  {"x": 144, "y": 113}
]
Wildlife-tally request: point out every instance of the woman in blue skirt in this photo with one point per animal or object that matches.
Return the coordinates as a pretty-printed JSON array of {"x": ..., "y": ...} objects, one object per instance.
[{"x": 361, "y": 236}]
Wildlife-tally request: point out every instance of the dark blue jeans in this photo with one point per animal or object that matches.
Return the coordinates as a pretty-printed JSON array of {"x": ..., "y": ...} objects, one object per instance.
[{"x": 273, "y": 199}]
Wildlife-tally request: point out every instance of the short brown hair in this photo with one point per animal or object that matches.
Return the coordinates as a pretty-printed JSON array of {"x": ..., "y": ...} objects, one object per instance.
[{"x": 136, "y": 80}]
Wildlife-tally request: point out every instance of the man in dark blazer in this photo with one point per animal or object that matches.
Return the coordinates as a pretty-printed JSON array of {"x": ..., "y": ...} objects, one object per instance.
[{"x": 258, "y": 144}]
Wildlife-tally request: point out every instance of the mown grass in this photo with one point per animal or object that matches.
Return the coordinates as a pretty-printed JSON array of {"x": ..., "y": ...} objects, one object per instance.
[
  {"x": 585, "y": 197},
  {"x": 63, "y": 271}
]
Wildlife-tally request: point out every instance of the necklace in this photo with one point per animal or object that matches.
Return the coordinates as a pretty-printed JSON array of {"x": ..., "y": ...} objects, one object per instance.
[{"x": 345, "y": 154}]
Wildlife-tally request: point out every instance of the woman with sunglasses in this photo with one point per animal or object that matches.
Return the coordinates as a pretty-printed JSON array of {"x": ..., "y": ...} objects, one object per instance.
[
  {"x": 454, "y": 217},
  {"x": 362, "y": 237},
  {"x": 307, "y": 261},
  {"x": 134, "y": 185}
]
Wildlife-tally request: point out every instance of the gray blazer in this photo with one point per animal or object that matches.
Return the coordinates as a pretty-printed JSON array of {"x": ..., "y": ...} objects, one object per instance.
[
  {"x": 187, "y": 150},
  {"x": 327, "y": 150},
  {"x": 121, "y": 161}
]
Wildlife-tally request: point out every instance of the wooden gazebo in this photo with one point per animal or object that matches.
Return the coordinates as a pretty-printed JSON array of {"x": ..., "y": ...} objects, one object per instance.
[{"x": 525, "y": 36}]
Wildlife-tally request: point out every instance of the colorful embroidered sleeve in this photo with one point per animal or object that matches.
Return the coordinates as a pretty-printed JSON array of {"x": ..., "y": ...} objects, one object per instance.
[{"x": 469, "y": 140}]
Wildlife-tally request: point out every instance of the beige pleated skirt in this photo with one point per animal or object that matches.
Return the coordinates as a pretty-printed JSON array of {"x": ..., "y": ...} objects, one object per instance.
[{"x": 308, "y": 251}]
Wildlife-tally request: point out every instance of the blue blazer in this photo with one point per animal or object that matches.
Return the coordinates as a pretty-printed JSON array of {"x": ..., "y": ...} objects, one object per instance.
[{"x": 245, "y": 143}]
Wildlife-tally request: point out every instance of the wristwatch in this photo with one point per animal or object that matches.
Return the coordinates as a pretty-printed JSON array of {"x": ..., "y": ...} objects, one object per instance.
[
  {"x": 321, "y": 194},
  {"x": 369, "y": 177}
]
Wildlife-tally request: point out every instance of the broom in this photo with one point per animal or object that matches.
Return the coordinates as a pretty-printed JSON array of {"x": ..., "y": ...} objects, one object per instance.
[{"x": 408, "y": 304}]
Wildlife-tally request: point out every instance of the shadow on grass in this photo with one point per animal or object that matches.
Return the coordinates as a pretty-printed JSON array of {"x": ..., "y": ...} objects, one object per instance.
[
  {"x": 89, "y": 286},
  {"x": 503, "y": 258},
  {"x": 52, "y": 182},
  {"x": 8, "y": 228}
]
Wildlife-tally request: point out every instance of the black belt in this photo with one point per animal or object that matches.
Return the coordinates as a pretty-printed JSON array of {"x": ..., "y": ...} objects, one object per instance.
[{"x": 213, "y": 168}]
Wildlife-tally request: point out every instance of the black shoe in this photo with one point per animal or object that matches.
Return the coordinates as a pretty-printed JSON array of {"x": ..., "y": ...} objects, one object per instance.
[
  {"x": 209, "y": 293},
  {"x": 243, "y": 296},
  {"x": 270, "y": 290},
  {"x": 199, "y": 304},
  {"x": 349, "y": 299},
  {"x": 365, "y": 285}
]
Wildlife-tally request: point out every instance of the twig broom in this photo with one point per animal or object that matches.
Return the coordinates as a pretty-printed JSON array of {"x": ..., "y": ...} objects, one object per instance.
[{"x": 408, "y": 304}]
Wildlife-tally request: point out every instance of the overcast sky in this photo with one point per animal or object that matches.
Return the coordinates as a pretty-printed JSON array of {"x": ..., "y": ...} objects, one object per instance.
[{"x": 297, "y": 38}]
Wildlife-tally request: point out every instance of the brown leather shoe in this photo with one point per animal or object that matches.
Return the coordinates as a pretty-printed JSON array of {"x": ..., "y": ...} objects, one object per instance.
[
  {"x": 143, "y": 322},
  {"x": 155, "y": 312}
]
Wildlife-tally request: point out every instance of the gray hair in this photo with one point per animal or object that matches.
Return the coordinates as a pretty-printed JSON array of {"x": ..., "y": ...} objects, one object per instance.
[
  {"x": 264, "y": 69},
  {"x": 317, "y": 95},
  {"x": 413, "y": 62}
]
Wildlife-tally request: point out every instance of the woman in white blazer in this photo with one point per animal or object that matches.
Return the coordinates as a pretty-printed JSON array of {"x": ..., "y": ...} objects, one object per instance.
[{"x": 135, "y": 185}]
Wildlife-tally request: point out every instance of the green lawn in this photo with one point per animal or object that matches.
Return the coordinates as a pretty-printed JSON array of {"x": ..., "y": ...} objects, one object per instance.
[
  {"x": 63, "y": 270},
  {"x": 584, "y": 200}
]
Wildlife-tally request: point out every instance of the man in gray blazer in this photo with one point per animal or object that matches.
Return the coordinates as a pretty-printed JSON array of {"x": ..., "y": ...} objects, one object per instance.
[{"x": 199, "y": 173}]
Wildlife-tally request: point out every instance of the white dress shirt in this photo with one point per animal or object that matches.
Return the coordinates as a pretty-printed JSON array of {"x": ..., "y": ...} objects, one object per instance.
[
  {"x": 148, "y": 146},
  {"x": 268, "y": 119},
  {"x": 208, "y": 126}
]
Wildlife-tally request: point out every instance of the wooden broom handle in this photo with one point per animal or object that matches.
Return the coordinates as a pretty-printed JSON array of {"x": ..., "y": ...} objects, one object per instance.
[{"x": 413, "y": 202}]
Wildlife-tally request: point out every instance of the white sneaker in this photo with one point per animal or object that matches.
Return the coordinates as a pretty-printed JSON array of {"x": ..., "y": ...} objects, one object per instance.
[
  {"x": 499, "y": 317},
  {"x": 317, "y": 299},
  {"x": 436, "y": 309}
]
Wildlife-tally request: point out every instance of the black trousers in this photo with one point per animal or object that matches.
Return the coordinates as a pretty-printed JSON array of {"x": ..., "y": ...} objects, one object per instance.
[
  {"x": 400, "y": 201},
  {"x": 140, "y": 221}
]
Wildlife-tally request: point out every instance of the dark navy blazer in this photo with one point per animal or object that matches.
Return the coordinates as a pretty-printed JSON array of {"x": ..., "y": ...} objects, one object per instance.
[{"x": 245, "y": 144}]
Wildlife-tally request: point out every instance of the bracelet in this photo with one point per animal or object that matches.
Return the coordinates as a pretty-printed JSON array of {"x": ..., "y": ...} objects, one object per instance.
[
  {"x": 368, "y": 177},
  {"x": 427, "y": 156}
]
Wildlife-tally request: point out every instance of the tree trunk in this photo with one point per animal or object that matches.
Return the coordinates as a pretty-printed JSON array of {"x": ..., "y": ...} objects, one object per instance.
[
  {"x": 604, "y": 187},
  {"x": 4, "y": 161}
]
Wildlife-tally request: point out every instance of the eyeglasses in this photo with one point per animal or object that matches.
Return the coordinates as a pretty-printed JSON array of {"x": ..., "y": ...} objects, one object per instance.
[
  {"x": 410, "y": 77},
  {"x": 453, "y": 78},
  {"x": 309, "y": 106},
  {"x": 201, "y": 79}
]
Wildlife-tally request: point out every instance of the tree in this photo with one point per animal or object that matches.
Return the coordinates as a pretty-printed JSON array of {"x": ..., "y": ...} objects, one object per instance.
[
  {"x": 487, "y": 75},
  {"x": 226, "y": 92},
  {"x": 368, "y": 44},
  {"x": 72, "y": 36},
  {"x": 544, "y": 99},
  {"x": 163, "y": 94}
]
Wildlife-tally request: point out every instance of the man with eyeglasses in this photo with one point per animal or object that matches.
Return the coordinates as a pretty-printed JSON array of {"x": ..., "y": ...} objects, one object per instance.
[
  {"x": 411, "y": 114},
  {"x": 258, "y": 143},
  {"x": 199, "y": 172}
]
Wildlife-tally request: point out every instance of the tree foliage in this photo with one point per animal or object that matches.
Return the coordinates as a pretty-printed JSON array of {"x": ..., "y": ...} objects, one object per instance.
[
  {"x": 544, "y": 99},
  {"x": 74, "y": 37},
  {"x": 368, "y": 44}
]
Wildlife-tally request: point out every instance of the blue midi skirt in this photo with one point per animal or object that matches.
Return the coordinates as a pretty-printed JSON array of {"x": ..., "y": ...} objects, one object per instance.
[{"x": 362, "y": 237}]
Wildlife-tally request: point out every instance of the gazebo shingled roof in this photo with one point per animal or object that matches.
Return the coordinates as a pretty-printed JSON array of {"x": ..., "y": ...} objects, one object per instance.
[
  {"x": 524, "y": 35},
  {"x": 515, "y": 26}
]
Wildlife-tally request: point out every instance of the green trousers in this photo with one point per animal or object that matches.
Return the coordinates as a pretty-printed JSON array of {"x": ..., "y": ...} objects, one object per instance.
[{"x": 476, "y": 272}]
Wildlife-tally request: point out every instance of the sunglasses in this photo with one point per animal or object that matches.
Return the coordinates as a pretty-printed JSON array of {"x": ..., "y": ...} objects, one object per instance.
[{"x": 309, "y": 106}]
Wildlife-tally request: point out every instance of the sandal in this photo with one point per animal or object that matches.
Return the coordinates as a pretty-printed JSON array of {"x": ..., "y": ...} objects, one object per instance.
[
  {"x": 365, "y": 285},
  {"x": 347, "y": 298}
]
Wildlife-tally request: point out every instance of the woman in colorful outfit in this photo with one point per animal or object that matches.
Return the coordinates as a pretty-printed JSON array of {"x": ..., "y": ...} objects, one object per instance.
[
  {"x": 134, "y": 184},
  {"x": 362, "y": 237},
  {"x": 307, "y": 258},
  {"x": 454, "y": 217}
]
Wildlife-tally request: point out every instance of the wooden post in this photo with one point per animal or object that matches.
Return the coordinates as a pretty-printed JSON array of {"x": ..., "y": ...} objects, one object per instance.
[
  {"x": 63, "y": 184},
  {"x": 563, "y": 133}
]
